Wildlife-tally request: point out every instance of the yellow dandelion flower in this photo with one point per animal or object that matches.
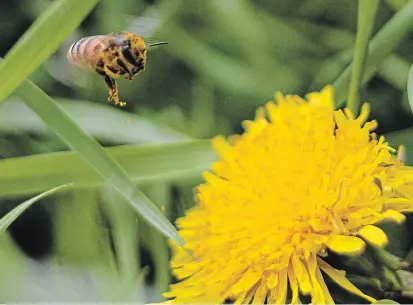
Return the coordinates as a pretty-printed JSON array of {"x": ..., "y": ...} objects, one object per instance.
[{"x": 301, "y": 181}]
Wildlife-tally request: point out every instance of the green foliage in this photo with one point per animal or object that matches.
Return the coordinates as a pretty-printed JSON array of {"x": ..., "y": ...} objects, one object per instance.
[
  {"x": 224, "y": 58},
  {"x": 91, "y": 152},
  {"x": 365, "y": 20},
  {"x": 174, "y": 162},
  {"x": 381, "y": 45},
  {"x": 410, "y": 87},
  {"x": 8, "y": 219},
  {"x": 40, "y": 41}
]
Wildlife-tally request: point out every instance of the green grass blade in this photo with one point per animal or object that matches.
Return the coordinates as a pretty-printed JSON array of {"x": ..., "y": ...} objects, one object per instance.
[
  {"x": 228, "y": 73},
  {"x": 125, "y": 235},
  {"x": 78, "y": 233},
  {"x": 144, "y": 164},
  {"x": 160, "y": 194},
  {"x": 396, "y": 4},
  {"x": 103, "y": 122},
  {"x": 381, "y": 46},
  {"x": 367, "y": 10},
  {"x": 395, "y": 71},
  {"x": 11, "y": 216},
  {"x": 410, "y": 87},
  {"x": 41, "y": 40},
  {"x": 93, "y": 154}
]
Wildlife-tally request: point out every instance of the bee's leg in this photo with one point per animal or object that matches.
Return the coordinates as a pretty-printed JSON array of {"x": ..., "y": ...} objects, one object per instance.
[
  {"x": 111, "y": 71},
  {"x": 113, "y": 88}
]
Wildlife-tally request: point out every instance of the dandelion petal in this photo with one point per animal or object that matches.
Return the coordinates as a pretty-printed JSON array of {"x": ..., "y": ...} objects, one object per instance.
[
  {"x": 347, "y": 245},
  {"x": 341, "y": 280},
  {"x": 374, "y": 235}
]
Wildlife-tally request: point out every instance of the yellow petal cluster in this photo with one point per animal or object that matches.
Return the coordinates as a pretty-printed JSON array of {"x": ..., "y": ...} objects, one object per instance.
[{"x": 302, "y": 180}]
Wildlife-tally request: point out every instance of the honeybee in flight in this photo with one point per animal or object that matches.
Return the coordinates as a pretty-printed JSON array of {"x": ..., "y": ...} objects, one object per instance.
[{"x": 111, "y": 56}]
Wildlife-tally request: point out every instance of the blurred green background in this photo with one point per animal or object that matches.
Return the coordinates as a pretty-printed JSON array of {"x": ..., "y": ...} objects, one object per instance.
[{"x": 224, "y": 59}]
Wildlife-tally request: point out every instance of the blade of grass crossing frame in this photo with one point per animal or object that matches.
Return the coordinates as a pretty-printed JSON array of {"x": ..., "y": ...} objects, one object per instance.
[
  {"x": 40, "y": 41},
  {"x": 11, "y": 216},
  {"x": 410, "y": 87},
  {"x": 91, "y": 152},
  {"x": 175, "y": 163},
  {"x": 102, "y": 121},
  {"x": 381, "y": 45},
  {"x": 367, "y": 10}
]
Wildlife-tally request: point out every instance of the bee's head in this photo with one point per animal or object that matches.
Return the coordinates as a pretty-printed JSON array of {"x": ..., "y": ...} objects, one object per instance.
[
  {"x": 137, "y": 48},
  {"x": 137, "y": 45}
]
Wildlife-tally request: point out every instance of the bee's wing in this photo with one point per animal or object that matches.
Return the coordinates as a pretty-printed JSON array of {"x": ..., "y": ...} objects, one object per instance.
[
  {"x": 153, "y": 18},
  {"x": 118, "y": 34},
  {"x": 117, "y": 38},
  {"x": 144, "y": 26}
]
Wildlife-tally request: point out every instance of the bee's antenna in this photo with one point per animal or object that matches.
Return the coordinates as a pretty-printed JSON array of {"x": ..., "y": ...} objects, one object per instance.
[{"x": 157, "y": 44}]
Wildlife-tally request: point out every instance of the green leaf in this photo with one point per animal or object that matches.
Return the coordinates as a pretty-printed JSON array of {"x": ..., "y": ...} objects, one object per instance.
[
  {"x": 11, "y": 216},
  {"x": 381, "y": 46},
  {"x": 41, "y": 40},
  {"x": 94, "y": 155},
  {"x": 367, "y": 10},
  {"x": 143, "y": 163}
]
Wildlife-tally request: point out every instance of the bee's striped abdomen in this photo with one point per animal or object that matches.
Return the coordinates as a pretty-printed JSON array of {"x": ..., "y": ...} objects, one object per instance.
[{"x": 85, "y": 53}]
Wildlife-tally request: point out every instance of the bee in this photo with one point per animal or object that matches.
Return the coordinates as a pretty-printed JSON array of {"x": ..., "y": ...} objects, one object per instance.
[{"x": 111, "y": 56}]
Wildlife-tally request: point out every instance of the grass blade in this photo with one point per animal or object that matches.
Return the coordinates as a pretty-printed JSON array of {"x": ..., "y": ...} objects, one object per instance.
[
  {"x": 78, "y": 233},
  {"x": 41, "y": 40},
  {"x": 11, "y": 216},
  {"x": 158, "y": 245},
  {"x": 125, "y": 235},
  {"x": 143, "y": 163},
  {"x": 410, "y": 87},
  {"x": 395, "y": 71},
  {"x": 103, "y": 122},
  {"x": 367, "y": 10},
  {"x": 93, "y": 154},
  {"x": 381, "y": 46}
]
